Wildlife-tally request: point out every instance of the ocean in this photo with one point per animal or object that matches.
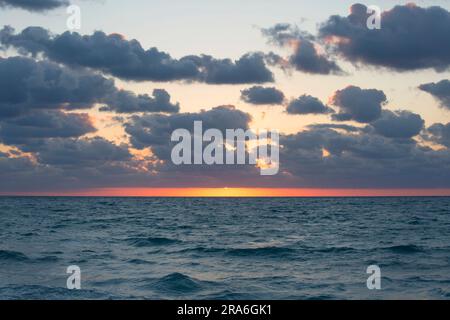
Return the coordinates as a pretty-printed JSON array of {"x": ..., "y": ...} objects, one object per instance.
[{"x": 224, "y": 248}]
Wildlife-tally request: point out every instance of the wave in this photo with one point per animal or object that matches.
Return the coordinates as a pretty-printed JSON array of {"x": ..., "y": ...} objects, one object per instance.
[
  {"x": 273, "y": 251},
  {"x": 335, "y": 250},
  {"x": 263, "y": 251},
  {"x": 109, "y": 282},
  {"x": 175, "y": 284},
  {"x": 38, "y": 292},
  {"x": 150, "y": 241},
  {"x": 107, "y": 203},
  {"x": 178, "y": 282},
  {"x": 139, "y": 261},
  {"x": 6, "y": 255},
  {"x": 404, "y": 249},
  {"x": 30, "y": 234},
  {"x": 61, "y": 210},
  {"x": 14, "y": 256},
  {"x": 47, "y": 259}
]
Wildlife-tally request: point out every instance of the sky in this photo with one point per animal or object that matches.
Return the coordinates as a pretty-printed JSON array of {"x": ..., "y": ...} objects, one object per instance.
[{"x": 360, "y": 112}]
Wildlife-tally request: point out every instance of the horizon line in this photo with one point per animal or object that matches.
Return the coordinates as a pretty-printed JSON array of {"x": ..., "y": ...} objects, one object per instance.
[{"x": 238, "y": 193}]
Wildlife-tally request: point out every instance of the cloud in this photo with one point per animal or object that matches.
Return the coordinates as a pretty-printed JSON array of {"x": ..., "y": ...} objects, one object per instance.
[
  {"x": 439, "y": 133},
  {"x": 361, "y": 160},
  {"x": 354, "y": 158},
  {"x": 26, "y": 85},
  {"x": 399, "y": 124},
  {"x": 34, "y": 5},
  {"x": 250, "y": 68},
  {"x": 47, "y": 141},
  {"x": 262, "y": 96},
  {"x": 113, "y": 54},
  {"x": 128, "y": 102},
  {"x": 305, "y": 56},
  {"x": 38, "y": 125},
  {"x": 155, "y": 130},
  {"x": 440, "y": 91},
  {"x": 360, "y": 105},
  {"x": 410, "y": 38},
  {"x": 80, "y": 152},
  {"x": 307, "y": 105},
  {"x": 59, "y": 164},
  {"x": 15, "y": 167}
]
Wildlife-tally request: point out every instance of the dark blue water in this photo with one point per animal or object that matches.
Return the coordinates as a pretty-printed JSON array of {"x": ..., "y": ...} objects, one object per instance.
[{"x": 161, "y": 248}]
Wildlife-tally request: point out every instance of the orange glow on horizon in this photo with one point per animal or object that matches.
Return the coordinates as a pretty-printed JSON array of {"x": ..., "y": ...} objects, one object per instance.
[{"x": 241, "y": 192}]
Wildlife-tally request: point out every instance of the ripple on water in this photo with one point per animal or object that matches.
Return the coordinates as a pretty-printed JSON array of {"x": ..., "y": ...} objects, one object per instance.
[
  {"x": 151, "y": 241},
  {"x": 12, "y": 256},
  {"x": 176, "y": 284},
  {"x": 404, "y": 249}
]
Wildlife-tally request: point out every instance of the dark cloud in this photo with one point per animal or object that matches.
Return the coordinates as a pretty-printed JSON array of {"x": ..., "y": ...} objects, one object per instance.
[
  {"x": 440, "y": 91},
  {"x": 361, "y": 160},
  {"x": 361, "y": 105},
  {"x": 128, "y": 102},
  {"x": 307, "y": 59},
  {"x": 61, "y": 164},
  {"x": 322, "y": 156},
  {"x": 305, "y": 56},
  {"x": 262, "y": 96},
  {"x": 38, "y": 125},
  {"x": 250, "y": 68},
  {"x": 399, "y": 124},
  {"x": 26, "y": 84},
  {"x": 155, "y": 130},
  {"x": 307, "y": 105},
  {"x": 49, "y": 143},
  {"x": 13, "y": 167},
  {"x": 410, "y": 38},
  {"x": 34, "y": 5},
  {"x": 439, "y": 133},
  {"x": 80, "y": 152},
  {"x": 112, "y": 54}
]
